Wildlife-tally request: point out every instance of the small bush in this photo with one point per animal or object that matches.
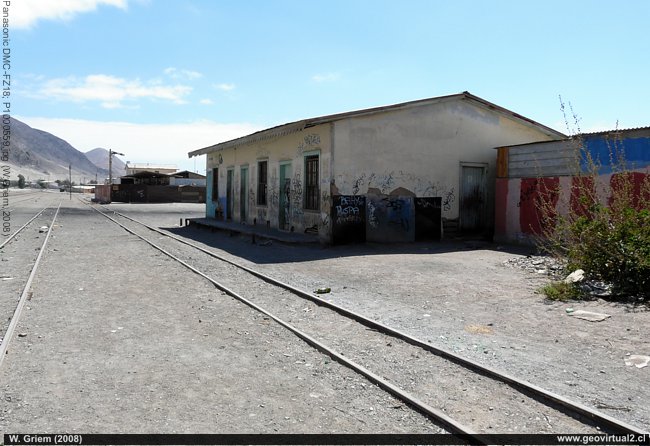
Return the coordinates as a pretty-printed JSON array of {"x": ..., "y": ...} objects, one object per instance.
[
  {"x": 560, "y": 291},
  {"x": 609, "y": 240}
]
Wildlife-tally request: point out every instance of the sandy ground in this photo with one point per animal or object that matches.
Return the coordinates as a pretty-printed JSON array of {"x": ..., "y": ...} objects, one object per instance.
[{"x": 120, "y": 340}]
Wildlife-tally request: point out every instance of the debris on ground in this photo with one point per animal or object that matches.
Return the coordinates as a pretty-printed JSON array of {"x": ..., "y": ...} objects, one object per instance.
[
  {"x": 43, "y": 229},
  {"x": 478, "y": 329},
  {"x": 322, "y": 290},
  {"x": 597, "y": 288},
  {"x": 538, "y": 264},
  {"x": 589, "y": 315},
  {"x": 576, "y": 276},
  {"x": 639, "y": 361}
]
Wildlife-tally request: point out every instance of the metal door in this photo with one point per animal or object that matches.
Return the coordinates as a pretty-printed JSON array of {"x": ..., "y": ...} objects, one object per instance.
[
  {"x": 243, "y": 194},
  {"x": 472, "y": 199},
  {"x": 284, "y": 210},
  {"x": 229, "y": 194}
]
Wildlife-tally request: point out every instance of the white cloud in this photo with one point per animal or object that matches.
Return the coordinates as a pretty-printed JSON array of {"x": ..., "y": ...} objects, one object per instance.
[
  {"x": 326, "y": 77},
  {"x": 175, "y": 73},
  {"x": 225, "y": 87},
  {"x": 206, "y": 101},
  {"x": 144, "y": 143},
  {"x": 25, "y": 13},
  {"x": 110, "y": 91}
]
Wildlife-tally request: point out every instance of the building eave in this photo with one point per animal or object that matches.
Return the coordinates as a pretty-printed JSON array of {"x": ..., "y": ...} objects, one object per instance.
[{"x": 297, "y": 126}]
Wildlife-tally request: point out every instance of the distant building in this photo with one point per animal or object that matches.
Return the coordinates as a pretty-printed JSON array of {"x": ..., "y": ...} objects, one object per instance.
[
  {"x": 186, "y": 178},
  {"x": 133, "y": 168},
  {"x": 387, "y": 174}
]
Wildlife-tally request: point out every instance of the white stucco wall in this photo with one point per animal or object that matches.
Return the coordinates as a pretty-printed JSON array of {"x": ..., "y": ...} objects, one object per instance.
[
  {"x": 416, "y": 150},
  {"x": 421, "y": 149},
  {"x": 290, "y": 149}
]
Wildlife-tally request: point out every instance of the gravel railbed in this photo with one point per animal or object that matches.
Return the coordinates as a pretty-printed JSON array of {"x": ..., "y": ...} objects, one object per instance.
[
  {"x": 17, "y": 257},
  {"x": 479, "y": 402},
  {"x": 466, "y": 297},
  {"x": 121, "y": 339}
]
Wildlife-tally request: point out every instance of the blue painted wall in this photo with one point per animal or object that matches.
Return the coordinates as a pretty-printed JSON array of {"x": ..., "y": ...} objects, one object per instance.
[{"x": 636, "y": 152}]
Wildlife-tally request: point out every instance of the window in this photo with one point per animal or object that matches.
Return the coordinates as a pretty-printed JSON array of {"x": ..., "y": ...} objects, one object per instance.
[
  {"x": 311, "y": 182},
  {"x": 215, "y": 184},
  {"x": 262, "y": 179}
]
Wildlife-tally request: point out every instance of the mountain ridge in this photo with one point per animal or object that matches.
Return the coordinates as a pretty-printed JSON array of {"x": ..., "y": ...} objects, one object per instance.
[{"x": 38, "y": 152}]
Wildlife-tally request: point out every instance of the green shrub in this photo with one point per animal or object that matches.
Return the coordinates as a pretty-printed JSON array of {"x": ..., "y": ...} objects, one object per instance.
[
  {"x": 560, "y": 291},
  {"x": 609, "y": 240},
  {"x": 614, "y": 247}
]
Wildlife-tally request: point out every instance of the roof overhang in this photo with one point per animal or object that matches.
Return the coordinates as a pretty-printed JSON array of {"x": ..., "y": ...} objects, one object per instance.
[{"x": 298, "y": 126}]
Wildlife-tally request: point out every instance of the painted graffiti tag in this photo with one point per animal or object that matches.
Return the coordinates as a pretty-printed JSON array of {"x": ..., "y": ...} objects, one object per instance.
[
  {"x": 449, "y": 199},
  {"x": 296, "y": 192},
  {"x": 372, "y": 218},
  {"x": 347, "y": 200}
]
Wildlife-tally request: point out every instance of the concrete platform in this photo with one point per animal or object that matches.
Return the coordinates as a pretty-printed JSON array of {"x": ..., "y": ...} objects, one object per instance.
[{"x": 258, "y": 231}]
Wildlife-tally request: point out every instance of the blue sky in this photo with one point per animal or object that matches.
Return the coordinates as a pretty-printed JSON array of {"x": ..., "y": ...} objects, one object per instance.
[{"x": 158, "y": 78}]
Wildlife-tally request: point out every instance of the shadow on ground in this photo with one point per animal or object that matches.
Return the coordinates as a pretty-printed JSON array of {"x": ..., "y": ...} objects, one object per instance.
[{"x": 261, "y": 251}]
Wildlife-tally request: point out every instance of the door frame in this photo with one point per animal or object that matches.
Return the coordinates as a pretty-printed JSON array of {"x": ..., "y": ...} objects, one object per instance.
[{"x": 484, "y": 209}]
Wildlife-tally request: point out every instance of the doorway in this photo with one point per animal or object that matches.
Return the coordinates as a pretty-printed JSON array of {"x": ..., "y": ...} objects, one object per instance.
[
  {"x": 473, "y": 197},
  {"x": 230, "y": 194},
  {"x": 243, "y": 194},
  {"x": 284, "y": 208}
]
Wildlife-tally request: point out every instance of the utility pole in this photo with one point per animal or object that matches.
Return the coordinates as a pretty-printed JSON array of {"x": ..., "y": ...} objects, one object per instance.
[
  {"x": 70, "y": 179},
  {"x": 110, "y": 171}
]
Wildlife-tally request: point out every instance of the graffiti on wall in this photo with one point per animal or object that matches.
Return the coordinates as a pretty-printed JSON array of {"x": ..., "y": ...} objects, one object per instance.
[
  {"x": 309, "y": 142},
  {"x": 387, "y": 182},
  {"x": 296, "y": 194},
  {"x": 448, "y": 199},
  {"x": 350, "y": 209},
  {"x": 274, "y": 192},
  {"x": 348, "y": 219},
  {"x": 390, "y": 218}
]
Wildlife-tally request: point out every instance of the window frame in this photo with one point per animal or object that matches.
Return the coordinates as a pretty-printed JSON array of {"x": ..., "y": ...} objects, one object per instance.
[{"x": 311, "y": 200}]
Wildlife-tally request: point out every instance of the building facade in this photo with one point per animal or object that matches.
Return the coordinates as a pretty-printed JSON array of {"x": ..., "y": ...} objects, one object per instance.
[
  {"x": 390, "y": 173},
  {"x": 552, "y": 173},
  {"x": 133, "y": 168}
]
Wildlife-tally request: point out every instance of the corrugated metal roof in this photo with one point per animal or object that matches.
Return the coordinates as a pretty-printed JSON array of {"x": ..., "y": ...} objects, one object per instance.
[
  {"x": 603, "y": 132},
  {"x": 579, "y": 135},
  {"x": 297, "y": 126}
]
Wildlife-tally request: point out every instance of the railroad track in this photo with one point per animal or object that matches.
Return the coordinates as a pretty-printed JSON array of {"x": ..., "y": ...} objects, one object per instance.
[
  {"x": 21, "y": 261},
  {"x": 436, "y": 382}
]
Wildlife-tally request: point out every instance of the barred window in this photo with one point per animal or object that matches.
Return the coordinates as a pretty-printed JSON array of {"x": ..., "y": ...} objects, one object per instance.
[
  {"x": 311, "y": 182},
  {"x": 262, "y": 179}
]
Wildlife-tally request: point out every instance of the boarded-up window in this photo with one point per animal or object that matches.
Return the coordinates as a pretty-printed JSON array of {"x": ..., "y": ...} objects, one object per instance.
[
  {"x": 311, "y": 182},
  {"x": 215, "y": 184},
  {"x": 262, "y": 179}
]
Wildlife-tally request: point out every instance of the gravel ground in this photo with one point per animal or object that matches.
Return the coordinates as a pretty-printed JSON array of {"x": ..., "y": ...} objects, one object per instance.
[
  {"x": 105, "y": 353},
  {"x": 474, "y": 299},
  {"x": 120, "y": 339}
]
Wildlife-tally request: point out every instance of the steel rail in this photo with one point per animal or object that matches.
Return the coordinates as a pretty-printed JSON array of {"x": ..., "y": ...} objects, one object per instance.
[
  {"x": 431, "y": 412},
  {"x": 22, "y": 227},
  {"x": 23, "y": 297},
  {"x": 563, "y": 404}
]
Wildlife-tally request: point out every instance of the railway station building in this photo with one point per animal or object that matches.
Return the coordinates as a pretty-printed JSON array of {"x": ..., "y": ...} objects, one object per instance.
[{"x": 417, "y": 170}]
